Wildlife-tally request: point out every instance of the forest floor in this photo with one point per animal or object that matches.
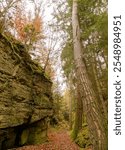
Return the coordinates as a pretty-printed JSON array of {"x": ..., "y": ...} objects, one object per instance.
[{"x": 57, "y": 140}]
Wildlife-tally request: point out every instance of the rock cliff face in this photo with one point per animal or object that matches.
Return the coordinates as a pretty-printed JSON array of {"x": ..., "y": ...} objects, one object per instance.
[{"x": 25, "y": 97}]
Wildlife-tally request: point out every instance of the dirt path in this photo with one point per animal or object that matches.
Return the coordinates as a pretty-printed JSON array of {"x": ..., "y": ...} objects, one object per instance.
[{"x": 59, "y": 140}]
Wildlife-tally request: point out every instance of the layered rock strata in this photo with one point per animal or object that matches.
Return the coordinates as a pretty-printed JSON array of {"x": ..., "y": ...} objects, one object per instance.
[{"x": 25, "y": 97}]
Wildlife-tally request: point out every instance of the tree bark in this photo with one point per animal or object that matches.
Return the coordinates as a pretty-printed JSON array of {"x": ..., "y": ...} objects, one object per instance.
[
  {"x": 70, "y": 111},
  {"x": 79, "y": 108},
  {"x": 91, "y": 107},
  {"x": 101, "y": 100},
  {"x": 78, "y": 113}
]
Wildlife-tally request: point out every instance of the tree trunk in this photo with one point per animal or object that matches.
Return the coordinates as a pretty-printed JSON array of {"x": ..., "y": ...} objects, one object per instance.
[
  {"x": 70, "y": 110},
  {"x": 101, "y": 100},
  {"x": 79, "y": 108},
  {"x": 78, "y": 114},
  {"x": 91, "y": 107},
  {"x": 71, "y": 96}
]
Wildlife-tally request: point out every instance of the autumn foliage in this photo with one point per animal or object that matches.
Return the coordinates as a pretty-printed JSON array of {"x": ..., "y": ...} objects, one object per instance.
[{"x": 28, "y": 30}]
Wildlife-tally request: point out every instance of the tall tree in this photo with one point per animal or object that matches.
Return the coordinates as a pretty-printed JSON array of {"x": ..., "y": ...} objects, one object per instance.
[{"x": 90, "y": 103}]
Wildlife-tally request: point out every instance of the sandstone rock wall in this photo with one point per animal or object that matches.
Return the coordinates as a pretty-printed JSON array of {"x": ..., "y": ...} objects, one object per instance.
[{"x": 25, "y": 97}]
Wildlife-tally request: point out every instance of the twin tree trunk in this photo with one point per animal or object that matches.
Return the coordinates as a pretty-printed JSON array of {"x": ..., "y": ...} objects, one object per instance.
[{"x": 88, "y": 96}]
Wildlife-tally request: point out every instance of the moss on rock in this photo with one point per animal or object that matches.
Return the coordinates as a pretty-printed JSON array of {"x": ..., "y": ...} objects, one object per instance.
[
  {"x": 24, "y": 137},
  {"x": 25, "y": 96}
]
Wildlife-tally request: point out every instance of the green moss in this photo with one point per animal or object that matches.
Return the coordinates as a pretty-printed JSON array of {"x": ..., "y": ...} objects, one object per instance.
[
  {"x": 83, "y": 136},
  {"x": 74, "y": 134},
  {"x": 83, "y": 139},
  {"x": 24, "y": 137},
  {"x": 47, "y": 76},
  {"x": 36, "y": 68},
  {"x": 37, "y": 136},
  {"x": 12, "y": 42}
]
